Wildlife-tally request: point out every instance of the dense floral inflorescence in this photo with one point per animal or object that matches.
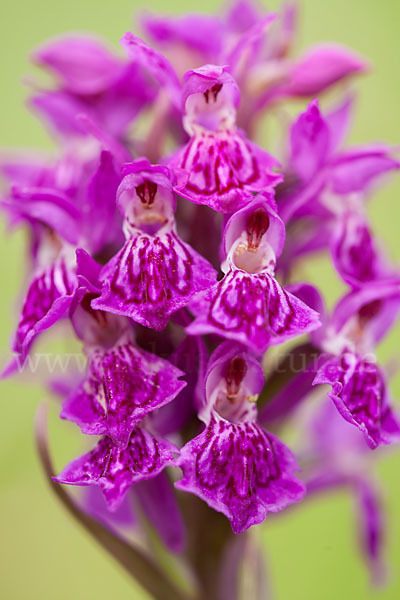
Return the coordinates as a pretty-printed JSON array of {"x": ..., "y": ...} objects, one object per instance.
[{"x": 173, "y": 255}]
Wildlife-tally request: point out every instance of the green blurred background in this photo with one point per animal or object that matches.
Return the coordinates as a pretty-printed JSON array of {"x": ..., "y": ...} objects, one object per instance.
[{"x": 311, "y": 552}]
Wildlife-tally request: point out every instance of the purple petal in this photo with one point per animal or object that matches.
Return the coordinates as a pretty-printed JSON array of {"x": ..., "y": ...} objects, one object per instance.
[
  {"x": 155, "y": 64},
  {"x": 241, "y": 15},
  {"x": 152, "y": 277},
  {"x": 26, "y": 169},
  {"x": 59, "y": 110},
  {"x": 311, "y": 297},
  {"x": 222, "y": 169},
  {"x": 83, "y": 63},
  {"x": 355, "y": 170},
  {"x": 90, "y": 125},
  {"x": 247, "y": 43},
  {"x": 160, "y": 506},
  {"x": 48, "y": 298},
  {"x": 199, "y": 33},
  {"x": 376, "y": 307},
  {"x": 240, "y": 470},
  {"x": 141, "y": 170},
  {"x": 95, "y": 505},
  {"x": 254, "y": 310},
  {"x": 88, "y": 271},
  {"x": 338, "y": 121},
  {"x": 354, "y": 253},
  {"x": 115, "y": 470},
  {"x": 121, "y": 387},
  {"x": 322, "y": 67},
  {"x": 304, "y": 199},
  {"x": 101, "y": 201},
  {"x": 359, "y": 394},
  {"x": 49, "y": 206},
  {"x": 111, "y": 110},
  {"x": 279, "y": 46},
  {"x": 118, "y": 106},
  {"x": 310, "y": 140}
]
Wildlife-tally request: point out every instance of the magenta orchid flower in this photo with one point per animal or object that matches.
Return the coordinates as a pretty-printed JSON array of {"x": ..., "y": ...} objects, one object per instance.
[
  {"x": 358, "y": 384},
  {"x": 234, "y": 465},
  {"x": 249, "y": 305},
  {"x": 156, "y": 273},
  {"x": 219, "y": 167}
]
